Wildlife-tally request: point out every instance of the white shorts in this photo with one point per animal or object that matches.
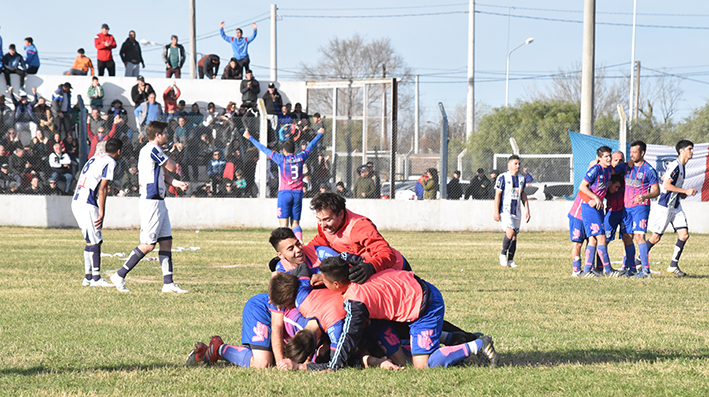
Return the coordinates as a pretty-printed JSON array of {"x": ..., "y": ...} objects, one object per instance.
[
  {"x": 510, "y": 222},
  {"x": 154, "y": 221},
  {"x": 661, "y": 217},
  {"x": 86, "y": 215}
]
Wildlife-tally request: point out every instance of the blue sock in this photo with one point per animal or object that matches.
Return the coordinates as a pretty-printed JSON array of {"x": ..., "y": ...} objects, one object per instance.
[
  {"x": 679, "y": 247},
  {"x": 298, "y": 233},
  {"x": 577, "y": 263},
  {"x": 88, "y": 258},
  {"x": 590, "y": 258},
  {"x": 605, "y": 260},
  {"x": 165, "y": 258},
  {"x": 451, "y": 355},
  {"x": 642, "y": 248},
  {"x": 133, "y": 260},
  {"x": 95, "y": 251},
  {"x": 630, "y": 257},
  {"x": 237, "y": 355}
]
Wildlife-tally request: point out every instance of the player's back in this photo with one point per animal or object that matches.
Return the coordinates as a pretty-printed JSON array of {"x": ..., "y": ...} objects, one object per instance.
[
  {"x": 150, "y": 173},
  {"x": 324, "y": 305},
  {"x": 290, "y": 169},
  {"x": 95, "y": 170},
  {"x": 675, "y": 171},
  {"x": 393, "y": 295}
]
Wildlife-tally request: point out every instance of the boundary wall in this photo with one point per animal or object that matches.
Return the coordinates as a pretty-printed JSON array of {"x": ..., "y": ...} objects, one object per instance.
[{"x": 220, "y": 213}]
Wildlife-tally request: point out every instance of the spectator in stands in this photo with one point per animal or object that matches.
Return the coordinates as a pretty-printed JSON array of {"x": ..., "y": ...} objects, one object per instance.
[
  {"x": 194, "y": 117},
  {"x": 239, "y": 183},
  {"x": 6, "y": 119},
  {"x": 375, "y": 177},
  {"x": 181, "y": 109},
  {"x": 273, "y": 101},
  {"x": 99, "y": 136},
  {"x": 230, "y": 72},
  {"x": 11, "y": 141},
  {"x": 25, "y": 122},
  {"x": 174, "y": 57},
  {"x": 240, "y": 46},
  {"x": 20, "y": 165},
  {"x": 105, "y": 43},
  {"x": 43, "y": 115},
  {"x": 211, "y": 122},
  {"x": 3, "y": 154},
  {"x": 34, "y": 189},
  {"x": 71, "y": 148},
  {"x": 61, "y": 109},
  {"x": 116, "y": 110},
  {"x": 60, "y": 164},
  {"x": 209, "y": 66},
  {"x": 123, "y": 130},
  {"x": 41, "y": 146},
  {"x": 140, "y": 91},
  {"x": 430, "y": 184},
  {"x": 147, "y": 112},
  {"x": 9, "y": 181},
  {"x": 479, "y": 187},
  {"x": 178, "y": 155},
  {"x": 454, "y": 189},
  {"x": 215, "y": 169},
  {"x": 364, "y": 185},
  {"x": 81, "y": 65},
  {"x": 53, "y": 189},
  {"x": 342, "y": 190},
  {"x": 320, "y": 171},
  {"x": 249, "y": 90},
  {"x": 284, "y": 117},
  {"x": 131, "y": 55},
  {"x": 297, "y": 113},
  {"x": 170, "y": 97},
  {"x": 317, "y": 122},
  {"x": 13, "y": 63},
  {"x": 31, "y": 56},
  {"x": 181, "y": 132},
  {"x": 129, "y": 182},
  {"x": 95, "y": 120},
  {"x": 95, "y": 93}
]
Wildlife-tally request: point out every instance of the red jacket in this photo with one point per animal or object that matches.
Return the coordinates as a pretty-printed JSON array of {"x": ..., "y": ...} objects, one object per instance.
[
  {"x": 94, "y": 138},
  {"x": 105, "y": 52}
]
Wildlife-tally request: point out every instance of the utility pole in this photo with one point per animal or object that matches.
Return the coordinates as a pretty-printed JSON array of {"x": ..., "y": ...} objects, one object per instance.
[
  {"x": 193, "y": 40},
  {"x": 383, "y": 136},
  {"x": 470, "y": 101},
  {"x": 274, "y": 62},
  {"x": 637, "y": 89},
  {"x": 416, "y": 116},
  {"x": 587, "y": 70},
  {"x": 632, "y": 63}
]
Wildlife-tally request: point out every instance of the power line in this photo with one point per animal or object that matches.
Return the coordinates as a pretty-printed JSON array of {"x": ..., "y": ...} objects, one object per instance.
[
  {"x": 598, "y": 12},
  {"x": 376, "y": 16},
  {"x": 597, "y": 23},
  {"x": 372, "y": 8}
]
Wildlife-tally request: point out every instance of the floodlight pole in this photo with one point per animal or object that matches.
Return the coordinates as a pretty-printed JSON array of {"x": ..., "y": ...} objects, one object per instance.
[
  {"x": 507, "y": 75},
  {"x": 193, "y": 40},
  {"x": 588, "y": 65},
  {"x": 274, "y": 61},
  {"x": 470, "y": 102}
]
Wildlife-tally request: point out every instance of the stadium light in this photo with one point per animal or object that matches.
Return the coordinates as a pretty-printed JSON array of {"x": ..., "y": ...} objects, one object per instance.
[{"x": 507, "y": 76}]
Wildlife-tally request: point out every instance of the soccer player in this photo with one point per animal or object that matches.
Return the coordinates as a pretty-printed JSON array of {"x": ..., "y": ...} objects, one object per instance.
[
  {"x": 396, "y": 296},
  {"x": 577, "y": 234},
  {"x": 615, "y": 209},
  {"x": 592, "y": 191},
  {"x": 290, "y": 186},
  {"x": 256, "y": 336},
  {"x": 347, "y": 232},
  {"x": 154, "y": 218},
  {"x": 641, "y": 184},
  {"x": 668, "y": 209},
  {"x": 89, "y": 208},
  {"x": 509, "y": 198}
]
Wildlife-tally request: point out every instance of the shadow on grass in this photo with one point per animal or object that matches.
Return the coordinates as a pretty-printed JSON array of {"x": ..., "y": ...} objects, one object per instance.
[
  {"x": 591, "y": 356},
  {"x": 41, "y": 369}
]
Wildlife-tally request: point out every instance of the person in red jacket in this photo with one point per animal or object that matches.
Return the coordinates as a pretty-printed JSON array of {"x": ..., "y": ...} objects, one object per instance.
[
  {"x": 105, "y": 43},
  {"x": 344, "y": 231},
  {"x": 100, "y": 136}
]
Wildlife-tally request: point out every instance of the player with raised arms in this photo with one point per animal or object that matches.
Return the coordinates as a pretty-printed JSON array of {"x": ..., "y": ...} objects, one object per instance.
[
  {"x": 668, "y": 209},
  {"x": 641, "y": 185},
  {"x": 290, "y": 185},
  {"x": 154, "y": 218},
  {"x": 89, "y": 208},
  {"x": 509, "y": 199}
]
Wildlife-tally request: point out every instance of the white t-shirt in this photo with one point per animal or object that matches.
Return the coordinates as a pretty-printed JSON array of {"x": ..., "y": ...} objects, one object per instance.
[
  {"x": 675, "y": 171},
  {"x": 95, "y": 170},
  {"x": 512, "y": 188},
  {"x": 150, "y": 173}
]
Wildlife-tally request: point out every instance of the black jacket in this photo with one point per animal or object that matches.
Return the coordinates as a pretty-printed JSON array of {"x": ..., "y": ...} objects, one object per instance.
[{"x": 130, "y": 52}]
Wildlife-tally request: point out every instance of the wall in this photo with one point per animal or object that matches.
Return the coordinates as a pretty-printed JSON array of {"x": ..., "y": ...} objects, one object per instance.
[{"x": 203, "y": 213}]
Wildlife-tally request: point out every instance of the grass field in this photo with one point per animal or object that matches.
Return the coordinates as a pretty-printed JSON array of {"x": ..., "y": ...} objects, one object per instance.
[{"x": 556, "y": 335}]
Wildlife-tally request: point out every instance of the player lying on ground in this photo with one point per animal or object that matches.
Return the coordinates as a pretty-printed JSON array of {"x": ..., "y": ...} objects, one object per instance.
[
  {"x": 509, "y": 199},
  {"x": 89, "y": 208},
  {"x": 396, "y": 296}
]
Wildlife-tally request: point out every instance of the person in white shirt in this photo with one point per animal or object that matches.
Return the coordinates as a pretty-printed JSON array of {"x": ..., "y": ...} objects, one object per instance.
[
  {"x": 509, "y": 199},
  {"x": 61, "y": 166}
]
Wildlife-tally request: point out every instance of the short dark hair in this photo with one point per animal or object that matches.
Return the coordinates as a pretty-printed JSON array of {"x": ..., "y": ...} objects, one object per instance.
[
  {"x": 603, "y": 149},
  {"x": 684, "y": 143},
  {"x": 155, "y": 128},
  {"x": 316, "y": 114},
  {"x": 616, "y": 178},
  {"x": 335, "y": 269},
  {"x": 174, "y": 36},
  {"x": 332, "y": 201},
  {"x": 280, "y": 234},
  {"x": 640, "y": 144},
  {"x": 301, "y": 346},
  {"x": 11, "y": 47},
  {"x": 114, "y": 145},
  {"x": 29, "y": 39},
  {"x": 80, "y": 51},
  {"x": 513, "y": 157},
  {"x": 239, "y": 30},
  {"x": 282, "y": 289},
  {"x": 289, "y": 146}
]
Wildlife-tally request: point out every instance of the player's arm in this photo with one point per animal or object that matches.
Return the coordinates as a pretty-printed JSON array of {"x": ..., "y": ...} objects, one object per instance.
[
  {"x": 595, "y": 201},
  {"x": 377, "y": 250},
  {"x": 277, "y": 324},
  {"x": 527, "y": 214},
  {"x": 498, "y": 199},
  {"x": 315, "y": 140},
  {"x": 169, "y": 180},
  {"x": 256, "y": 143},
  {"x": 669, "y": 186},
  {"x": 102, "y": 194}
]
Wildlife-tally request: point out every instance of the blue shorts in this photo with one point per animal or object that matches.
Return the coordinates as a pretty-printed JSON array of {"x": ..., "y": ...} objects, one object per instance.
[
  {"x": 385, "y": 336},
  {"x": 290, "y": 204},
  {"x": 576, "y": 231},
  {"x": 426, "y": 330},
  {"x": 635, "y": 219},
  {"x": 256, "y": 323},
  {"x": 592, "y": 220},
  {"x": 611, "y": 221}
]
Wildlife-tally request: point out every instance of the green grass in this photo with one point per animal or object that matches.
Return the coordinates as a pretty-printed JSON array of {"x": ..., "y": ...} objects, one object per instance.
[{"x": 556, "y": 335}]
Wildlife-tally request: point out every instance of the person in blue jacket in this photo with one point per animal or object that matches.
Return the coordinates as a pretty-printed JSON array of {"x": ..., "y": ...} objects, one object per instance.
[
  {"x": 31, "y": 57},
  {"x": 240, "y": 46}
]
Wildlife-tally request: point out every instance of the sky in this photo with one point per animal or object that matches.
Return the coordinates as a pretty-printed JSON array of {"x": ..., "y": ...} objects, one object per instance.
[{"x": 432, "y": 39}]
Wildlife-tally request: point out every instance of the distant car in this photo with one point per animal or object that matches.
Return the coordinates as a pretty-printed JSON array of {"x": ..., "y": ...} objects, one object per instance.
[{"x": 404, "y": 190}]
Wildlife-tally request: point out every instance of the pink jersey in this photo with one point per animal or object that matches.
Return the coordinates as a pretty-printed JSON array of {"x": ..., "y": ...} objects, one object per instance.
[
  {"x": 389, "y": 295},
  {"x": 576, "y": 209},
  {"x": 598, "y": 179},
  {"x": 638, "y": 181},
  {"x": 616, "y": 201}
]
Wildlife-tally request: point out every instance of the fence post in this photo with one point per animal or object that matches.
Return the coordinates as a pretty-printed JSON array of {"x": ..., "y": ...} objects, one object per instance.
[
  {"x": 443, "y": 177},
  {"x": 83, "y": 146},
  {"x": 392, "y": 145},
  {"x": 262, "y": 159}
]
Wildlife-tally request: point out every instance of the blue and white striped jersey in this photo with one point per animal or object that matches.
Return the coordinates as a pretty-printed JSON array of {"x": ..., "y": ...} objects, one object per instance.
[
  {"x": 150, "y": 173},
  {"x": 512, "y": 188}
]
